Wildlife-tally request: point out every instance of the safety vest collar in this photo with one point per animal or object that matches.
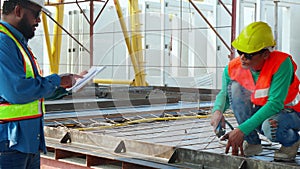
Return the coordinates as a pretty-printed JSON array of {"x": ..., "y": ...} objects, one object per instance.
[
  {"x": 28, "y": 68},
  {"x": 17, "y": 34}
]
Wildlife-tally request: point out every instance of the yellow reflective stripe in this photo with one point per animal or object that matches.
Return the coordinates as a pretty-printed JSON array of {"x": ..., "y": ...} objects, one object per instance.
[
  {"x": 19, "y": 110},
  {"x": 29, "y": 69},
  {"x": 261, "y": 93}
]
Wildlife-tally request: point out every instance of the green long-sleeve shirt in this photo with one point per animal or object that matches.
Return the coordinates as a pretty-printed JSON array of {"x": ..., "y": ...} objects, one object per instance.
[{"x": 278, "y": 92}]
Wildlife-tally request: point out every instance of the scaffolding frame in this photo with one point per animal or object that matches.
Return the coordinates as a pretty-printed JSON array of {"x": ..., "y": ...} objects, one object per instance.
[{"x": 136, "y": 59}]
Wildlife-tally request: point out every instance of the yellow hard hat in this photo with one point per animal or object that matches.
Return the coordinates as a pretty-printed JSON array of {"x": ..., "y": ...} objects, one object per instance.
[{"x": 254, "y": 37}]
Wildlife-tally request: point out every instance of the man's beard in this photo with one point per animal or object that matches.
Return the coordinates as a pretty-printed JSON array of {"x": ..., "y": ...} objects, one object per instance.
[{"x": 26, "y": 28}]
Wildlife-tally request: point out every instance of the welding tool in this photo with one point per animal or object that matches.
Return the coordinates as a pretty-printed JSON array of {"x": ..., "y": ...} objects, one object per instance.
[{"x": 220, "y": 131}]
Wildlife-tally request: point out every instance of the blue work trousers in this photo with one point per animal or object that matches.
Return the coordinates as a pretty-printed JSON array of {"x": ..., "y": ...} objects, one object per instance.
[
  {"x": 12, "y": 159},
  {"x": 288, "y": 121}
]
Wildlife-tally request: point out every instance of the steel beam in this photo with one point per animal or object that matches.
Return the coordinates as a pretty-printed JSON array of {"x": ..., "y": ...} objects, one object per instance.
[
  {"x": 97, "y": 150},
  {"x": 192, "y": 158},
  {"x": 233, "y": 27}
]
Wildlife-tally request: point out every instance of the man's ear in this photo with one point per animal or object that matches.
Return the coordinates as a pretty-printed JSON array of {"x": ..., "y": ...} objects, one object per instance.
[{"x": 18, "y": 11}]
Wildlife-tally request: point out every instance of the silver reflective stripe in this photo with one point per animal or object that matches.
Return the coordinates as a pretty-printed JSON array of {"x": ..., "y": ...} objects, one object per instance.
[
  {"x": 295, "y": 101},
  {"x": 261, "y": 93},
  {"x": 40, "y": 107}
]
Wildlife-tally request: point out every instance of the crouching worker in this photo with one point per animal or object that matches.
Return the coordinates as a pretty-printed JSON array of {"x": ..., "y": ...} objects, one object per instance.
[{"x": 262, "y": 89}]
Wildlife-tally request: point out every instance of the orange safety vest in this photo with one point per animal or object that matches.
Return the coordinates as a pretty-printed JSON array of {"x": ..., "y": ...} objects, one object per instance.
[
  {"x": 35, "y": 109},
  {"x": 260, "y": 90}
]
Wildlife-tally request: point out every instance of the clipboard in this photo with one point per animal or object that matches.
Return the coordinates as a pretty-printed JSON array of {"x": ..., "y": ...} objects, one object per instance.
[{"x": 92, "y": 72}]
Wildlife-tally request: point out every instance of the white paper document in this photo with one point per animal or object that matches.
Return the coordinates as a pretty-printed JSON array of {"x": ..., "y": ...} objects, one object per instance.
[{"x": 92, "y": 72}]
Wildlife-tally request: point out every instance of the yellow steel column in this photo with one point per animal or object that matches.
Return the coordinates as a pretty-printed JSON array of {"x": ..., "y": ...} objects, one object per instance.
[
  {"x": 136, "y": 38},
  {"x": 129, "y": 45},
  {"x": 54, "y": 51},
  {"x": 47, "y": 38},
  {"x": 56, "y": 43}
]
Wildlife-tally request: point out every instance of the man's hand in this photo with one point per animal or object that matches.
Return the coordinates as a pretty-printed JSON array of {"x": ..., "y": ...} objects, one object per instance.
[
  {"x": 216, "y": 118},
  {"x": 83, "y": 73},
  {"x": 68, "y": 80},
  {"x": 235, "y": 140}
]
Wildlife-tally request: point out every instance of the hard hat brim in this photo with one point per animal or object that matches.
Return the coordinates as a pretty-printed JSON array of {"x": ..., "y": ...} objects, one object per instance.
[{"x": 46, "y": 10}]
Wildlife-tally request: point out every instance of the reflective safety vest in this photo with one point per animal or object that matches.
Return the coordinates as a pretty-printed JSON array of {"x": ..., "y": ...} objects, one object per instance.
[
  {"x": 260, "y": 90},
  {"x": 13, "y": 112}
]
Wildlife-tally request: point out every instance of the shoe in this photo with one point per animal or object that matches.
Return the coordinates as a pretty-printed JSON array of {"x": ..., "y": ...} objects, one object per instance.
[
  {"x": 287, "y": 153},
  {"x": 251, "y": 149}
]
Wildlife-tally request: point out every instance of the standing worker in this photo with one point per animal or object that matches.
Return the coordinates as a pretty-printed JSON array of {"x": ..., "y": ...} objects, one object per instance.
[
  {"x": 22, "y": 88},
  {"x": 263, "y": 91}
]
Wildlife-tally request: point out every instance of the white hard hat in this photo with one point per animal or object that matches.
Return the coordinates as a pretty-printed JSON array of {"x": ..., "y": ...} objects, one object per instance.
[{"x": 40, "y": 3}]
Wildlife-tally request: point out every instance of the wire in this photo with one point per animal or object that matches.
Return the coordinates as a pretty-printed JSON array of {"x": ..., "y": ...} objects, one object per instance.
[
  {"x": 147, "y": 120},
  {"x": 144, "y": 31}
]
